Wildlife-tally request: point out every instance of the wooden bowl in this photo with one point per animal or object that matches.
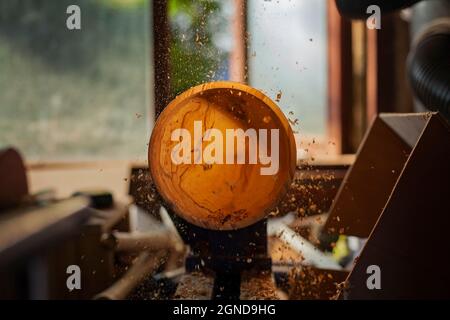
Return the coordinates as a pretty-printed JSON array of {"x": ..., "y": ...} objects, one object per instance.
[{"x": 214, "y": 195}]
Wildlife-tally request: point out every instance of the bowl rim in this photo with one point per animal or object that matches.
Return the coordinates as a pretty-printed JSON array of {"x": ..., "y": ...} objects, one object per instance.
[{"x": 226, "y": 85}]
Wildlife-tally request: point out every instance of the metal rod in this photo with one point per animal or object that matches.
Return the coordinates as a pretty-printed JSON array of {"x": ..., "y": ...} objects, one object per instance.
[
  {"x": 139, "y": 241},
  {"x": 146, "y": 263}
]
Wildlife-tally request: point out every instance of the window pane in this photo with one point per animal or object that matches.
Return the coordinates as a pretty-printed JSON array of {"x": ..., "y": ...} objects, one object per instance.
[
  {"x": 288, "y": 58},
  {"x": 201, "y": 42},
  {"x": 75, "y": 94}
]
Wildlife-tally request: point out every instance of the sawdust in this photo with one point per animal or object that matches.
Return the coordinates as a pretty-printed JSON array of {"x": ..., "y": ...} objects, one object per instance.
[
  {"x": 308, "y": 283},
  {"x": 258, "y": 286},
  {"x": 195, "y": 286}
]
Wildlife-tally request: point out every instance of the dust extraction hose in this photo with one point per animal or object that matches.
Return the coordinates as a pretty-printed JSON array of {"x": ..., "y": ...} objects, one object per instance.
[
  {"x": 429, "y": 59},
  {"x": 357, "y": 9},
  {"x": 429, "y": 67}
]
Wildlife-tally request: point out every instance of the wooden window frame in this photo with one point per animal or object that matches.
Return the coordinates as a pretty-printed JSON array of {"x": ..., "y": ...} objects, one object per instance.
[
  {"x": 339, "y": 80},
  {"x": 340, "y": 68}
]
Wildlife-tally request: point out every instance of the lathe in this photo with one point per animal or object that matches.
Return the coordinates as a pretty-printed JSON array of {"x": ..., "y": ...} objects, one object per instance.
[
  {"x": 223, "y": 231},
  {"x": 221, "y": 210}
]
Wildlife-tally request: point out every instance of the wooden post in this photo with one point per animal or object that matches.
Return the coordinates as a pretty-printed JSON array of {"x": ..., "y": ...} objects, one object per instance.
[
  {"x": 161, "y": 56},
  {"x": 339, "y": 79},
  {"x": 238, "y": 55},
  {"x": 387, "y": 50}
]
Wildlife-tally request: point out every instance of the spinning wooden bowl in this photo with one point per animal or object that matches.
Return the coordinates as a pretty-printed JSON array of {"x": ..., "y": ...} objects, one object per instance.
[{"x": 213, "y": 195}]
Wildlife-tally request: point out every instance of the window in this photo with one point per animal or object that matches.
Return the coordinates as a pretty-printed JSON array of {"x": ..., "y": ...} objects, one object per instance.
[
  {"x": 287, "y": 59},
  {"x": 75, "y": 94}
]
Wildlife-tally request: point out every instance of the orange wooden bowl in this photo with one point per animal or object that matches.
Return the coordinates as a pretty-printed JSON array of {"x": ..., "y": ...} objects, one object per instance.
[{"x": 214, "y": 195}]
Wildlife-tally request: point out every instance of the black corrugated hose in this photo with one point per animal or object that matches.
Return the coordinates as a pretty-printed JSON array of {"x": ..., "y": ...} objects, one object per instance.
[
  {"x": 356, "y": 9},
  {"x": 429, "y": 59},
  {"x": 429, "y": 69}
]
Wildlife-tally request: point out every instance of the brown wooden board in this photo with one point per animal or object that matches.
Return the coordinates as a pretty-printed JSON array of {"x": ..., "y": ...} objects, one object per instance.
[
  {"x": 409, "y": 242},
  {"x": 369, "y": 182},
  {"x": 13, "y": 181}
]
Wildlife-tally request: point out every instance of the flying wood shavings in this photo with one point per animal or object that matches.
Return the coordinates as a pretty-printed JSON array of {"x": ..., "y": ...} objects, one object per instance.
[{"x": 279, "y": 94}]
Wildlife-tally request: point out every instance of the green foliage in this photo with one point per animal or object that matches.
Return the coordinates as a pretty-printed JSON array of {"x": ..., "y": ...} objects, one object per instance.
[
  {"x": 84, "y": 94},
  {"x": 38, "y": 28},
  {"x": 194, "y": 56},
  {"x": 124, "y": 4}
]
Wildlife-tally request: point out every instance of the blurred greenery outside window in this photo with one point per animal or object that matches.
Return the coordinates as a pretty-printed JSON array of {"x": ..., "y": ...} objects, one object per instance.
[
  {"x": 287, "y": 53},
  {"x": 75, "y": 94},
  {"x": 201, "y": 42},
  {"x": 84, "y": 95}
]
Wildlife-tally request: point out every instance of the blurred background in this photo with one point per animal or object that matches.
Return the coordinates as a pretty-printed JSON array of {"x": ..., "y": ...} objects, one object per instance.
[
  {"x": 79, "y": 107},
  {"x": 81, "y": 96}
]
